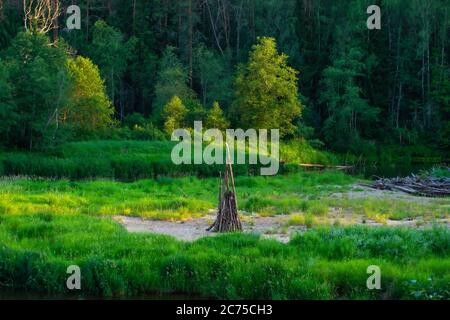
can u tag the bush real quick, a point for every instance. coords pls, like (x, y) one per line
(135, 120)
(300, 151)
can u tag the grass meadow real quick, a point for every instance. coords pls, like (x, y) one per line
(134, 160)
(50, 222)
(323, 263)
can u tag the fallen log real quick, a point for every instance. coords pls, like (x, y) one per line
(322, 166)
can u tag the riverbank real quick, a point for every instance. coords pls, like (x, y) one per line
(321, 263)
(309, 236)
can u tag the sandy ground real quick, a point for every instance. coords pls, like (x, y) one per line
(276, 227)
(268, 227)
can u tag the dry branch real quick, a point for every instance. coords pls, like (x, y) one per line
(227, 216)
(415, 185)
(40, 16)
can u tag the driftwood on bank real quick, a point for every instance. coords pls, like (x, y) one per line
(322, 166)
(227, 216)
(415, 185)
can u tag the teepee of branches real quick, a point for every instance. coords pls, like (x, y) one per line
(227, 216)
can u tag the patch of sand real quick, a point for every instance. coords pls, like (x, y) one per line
(276, 227)
(268, 227)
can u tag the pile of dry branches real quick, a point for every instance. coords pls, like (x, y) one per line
(227, 217)
(416, 185)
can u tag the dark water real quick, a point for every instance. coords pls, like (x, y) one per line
(373, 172)
(16, 295)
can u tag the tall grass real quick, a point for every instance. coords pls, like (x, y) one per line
(127, 160)
(167, 198)
(299, 151)
(35, 251)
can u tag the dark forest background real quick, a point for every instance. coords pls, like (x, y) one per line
(359, 89)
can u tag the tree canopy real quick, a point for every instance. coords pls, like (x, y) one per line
(89, 107)
(311, 68)
(266, 90)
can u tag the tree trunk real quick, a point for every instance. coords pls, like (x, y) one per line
(190, 31)
(87, 19)
(55, 24)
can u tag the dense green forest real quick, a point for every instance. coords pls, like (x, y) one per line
(88, 178)
(137, 69)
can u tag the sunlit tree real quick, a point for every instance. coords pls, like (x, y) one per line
(266, 90)
(89, 107)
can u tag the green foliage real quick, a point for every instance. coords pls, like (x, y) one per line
(348, 111)
(438, 172)
(110, 52)
(174, 113)
(196, 112)
(39, 81)
(382, 94)
(266, 90)
(441, 96)
(8, 116)
(213, 74)
(172, 81)
(137, 127)
(361, 90)
(131, 159)
(299, 151)
(215, 118)
(123, 160)
(363, 242)
(312, 194)
(235, 266)
(89, 107)
(169, 199)
(135, 120)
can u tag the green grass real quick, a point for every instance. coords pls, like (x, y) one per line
(439, 172)
(394, 209)
(326, 263)
(48, 224)
(168, 198)
(190, 197)
(131, 160)
(122, 160)
(299, 151)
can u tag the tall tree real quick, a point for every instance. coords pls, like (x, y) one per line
(41, 16)
(110, 52)
(38, 74)
(89, 107)
(266, 90)
(174, 112)
(8, 114)
(215, 119)
(347, 111)
(172, 80)
(214, 75)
